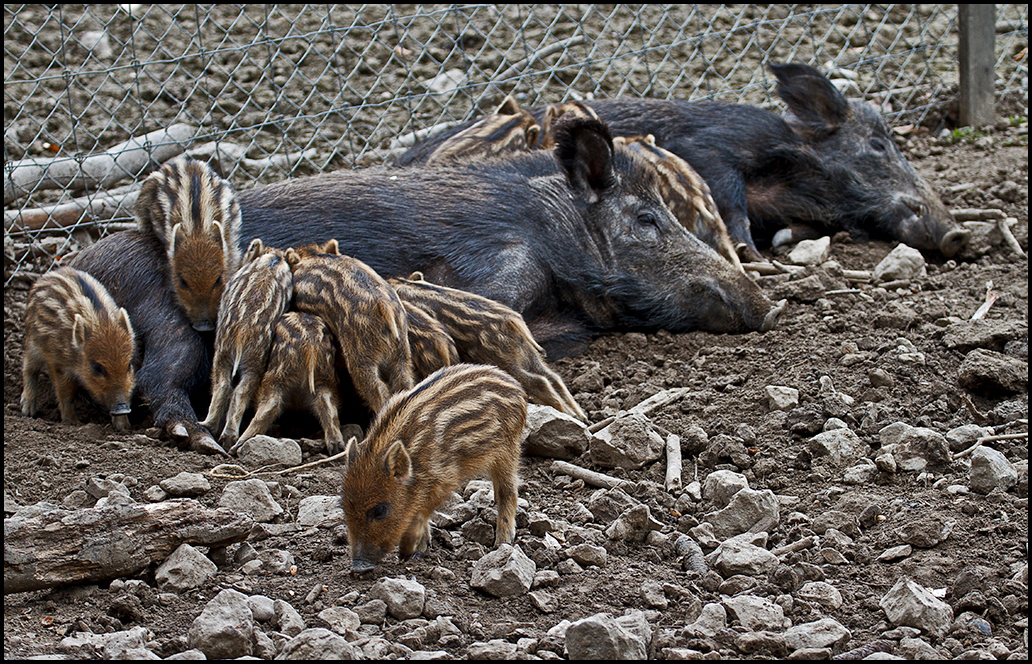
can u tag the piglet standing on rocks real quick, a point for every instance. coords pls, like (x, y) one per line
(75, 329)
(461, 421)
(362, 311)
(256, 296)
(301, 371)
(194, 215)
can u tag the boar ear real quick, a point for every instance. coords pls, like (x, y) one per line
(815, 105)
(79, 331)
(532, 134)
(351, 450)
(585, 149)
(331, 247)
(293, 258)
(398, 463)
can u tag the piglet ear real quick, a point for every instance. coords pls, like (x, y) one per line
(331, 247)
(398, 463)
(123, 320)
(584, 147)
(79, 331)
(815, 105)
(254, 250)
(351, 451)
(178, 235)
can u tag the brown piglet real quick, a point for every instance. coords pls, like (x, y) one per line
(301, 373)
(488, 332)
(195, 216)
(255, 298)
(460, 422)
(431, 346)
(362, 311)
(74, 328)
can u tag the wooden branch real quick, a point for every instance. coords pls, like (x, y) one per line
(798, 545)
(989, 439)
(413, 137)
(990, 297)
(120, 202)
(43, 549)
(589, 476)
(127, 159)
(646, 406)
(977, 214)
(1008, 235)
(673, 463)
(225, 154)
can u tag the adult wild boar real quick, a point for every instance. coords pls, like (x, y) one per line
(577, 239)
(829, 164)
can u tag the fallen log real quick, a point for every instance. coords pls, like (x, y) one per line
(128, 159)
(116, 203)
(48, 547)
(589, 476)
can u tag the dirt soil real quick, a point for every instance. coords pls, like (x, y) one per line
(45, 460)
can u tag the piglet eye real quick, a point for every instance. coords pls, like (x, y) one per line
(97, 369)
(378, 512)
(182, 283)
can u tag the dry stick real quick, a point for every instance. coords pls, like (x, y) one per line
(101, 170)
(989, 439)
(411, 138)
(1008, 236)
(763, 269)
(120, 202)
(798, 545)
(856, 275)
(990, 297)
(976, 214)
(589, 476)
(844, 291)
(233, 153)
(673, 463)
(221, 471)
(657, 400)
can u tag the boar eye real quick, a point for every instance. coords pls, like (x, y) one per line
(97, 369)
(378, 512)
(646, 217)
(878, 144)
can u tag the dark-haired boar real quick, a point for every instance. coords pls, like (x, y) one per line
(488, 332)
(460, 422)
(255, 298)
(74, 328)
(431, 346)
(576, 239)
(686, 194)
(176, 358)
(300, 373)
(195, 216)
(364, 314)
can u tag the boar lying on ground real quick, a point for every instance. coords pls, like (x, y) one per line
(462, 421)
(486, 332)
(176, 358)
(74, 328)
(194, 214)
(364, 314)
(300, 373)
(255, 298)
(830, 164)
(577, 240)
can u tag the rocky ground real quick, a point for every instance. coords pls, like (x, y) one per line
(828, 499)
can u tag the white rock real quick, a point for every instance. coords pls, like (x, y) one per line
(780, 397)
(504, 572)
(629, 442)
(903, 262)
(251, 497)
(288, 619)
(810, 252)
(720, 485)
(340, 619)
(823, 633)
(990, 469)
(601, 637)
(113, 645)
(264, 450)
(186, 484)
(262, 608)
(550, 433)
(318, 644)
(756, 613)
(447, 81)
(495, 649)
(822, 593)
(186, 568)
(404, 597)
(320, 511)
(842, 445)
(910, 603)
(224, 628)
(712, 619)
(746, 508)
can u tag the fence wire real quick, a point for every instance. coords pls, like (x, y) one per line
(274, 91)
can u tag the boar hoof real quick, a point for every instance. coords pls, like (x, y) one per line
(203, 442)
(771, 319)
(120, 422)
(178, 433)
(781, 238)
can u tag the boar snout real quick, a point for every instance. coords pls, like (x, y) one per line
(771, 319)
(120, 408)
(954, 241)
(203, 325)
(360, 567)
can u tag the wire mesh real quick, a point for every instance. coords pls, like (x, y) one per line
(275, 91)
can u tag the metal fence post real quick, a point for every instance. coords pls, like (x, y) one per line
(977, 24)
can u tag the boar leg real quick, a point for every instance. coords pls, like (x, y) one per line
(242, 395)
(504, 478)
(270, 406)
(33, 365)
(64, 385)
(326, 410)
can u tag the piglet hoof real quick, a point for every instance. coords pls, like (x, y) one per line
(334, 447)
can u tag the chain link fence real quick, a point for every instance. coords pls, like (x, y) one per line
(267, 92)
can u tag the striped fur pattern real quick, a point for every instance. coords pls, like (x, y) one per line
(510, 129)
(364, 314)
(488, 332)
(460, 422)
(195, 216)
(431, 346)
(256, 296)
(74, 328)
(300, 373)
(685, 193)
(570, 109)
